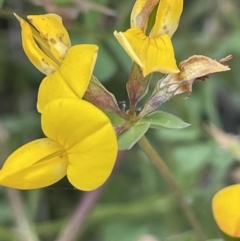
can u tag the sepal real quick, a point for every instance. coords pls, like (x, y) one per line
(137, 85)
(99, 96)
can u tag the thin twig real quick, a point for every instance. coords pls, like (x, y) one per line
(168, 177)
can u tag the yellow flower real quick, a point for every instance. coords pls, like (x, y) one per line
(226, 210)
(154, 52)
(72, 78)
(81, 143)
(68, 69)
(45, 41)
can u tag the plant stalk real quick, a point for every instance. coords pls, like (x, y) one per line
(168, 177)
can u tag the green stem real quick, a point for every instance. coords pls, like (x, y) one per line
(168, 177)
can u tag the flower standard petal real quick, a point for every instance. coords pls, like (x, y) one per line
(167, 18)
(72, 78)
(38, 58)
(151, 54)
(88, 137)
(225, 205)
(52, 30)
(36, 164)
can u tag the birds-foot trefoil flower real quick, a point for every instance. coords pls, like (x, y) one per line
(80, 140)
(81, 143)
(48, 46)
(45, 41)
(153, 52)
(225, 205)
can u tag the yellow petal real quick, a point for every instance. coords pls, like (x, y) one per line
(38, 58)
(226, 211)
(51, 28)
(151, 54)
(72, 78)
(167, 18)
(140, 13)
(37, 164)
(87, 135)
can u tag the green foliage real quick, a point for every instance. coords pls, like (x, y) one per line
(130, 137)
(159, 119)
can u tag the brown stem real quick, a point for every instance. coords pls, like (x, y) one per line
(168, 177)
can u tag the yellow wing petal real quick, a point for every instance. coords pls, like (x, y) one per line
(151, 54)
(37, 164)
(226, 211)
(167, 18)
(51, 28)
(72, 78)
(38, 58)
(87, 135)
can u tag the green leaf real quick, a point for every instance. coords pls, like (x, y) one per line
(129, 138)
(159, 119)
(115, 119)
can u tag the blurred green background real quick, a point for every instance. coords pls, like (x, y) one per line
(135, 201)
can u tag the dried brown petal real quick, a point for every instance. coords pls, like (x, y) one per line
(225, 59)
(198, 66)
(195, 67)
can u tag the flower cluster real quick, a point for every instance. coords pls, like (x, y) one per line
(79, 116)
(80, 140)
